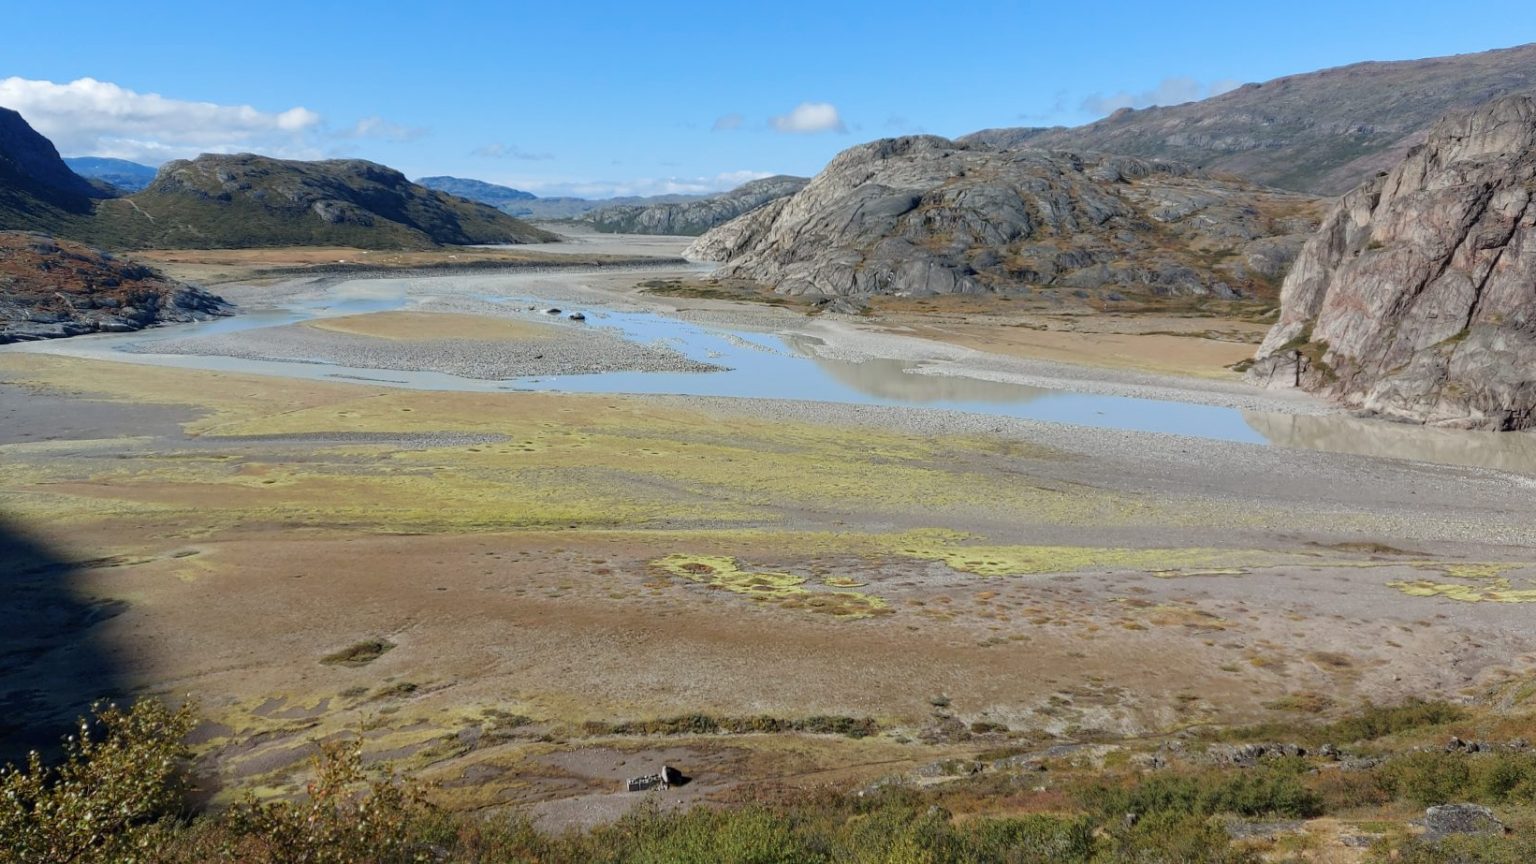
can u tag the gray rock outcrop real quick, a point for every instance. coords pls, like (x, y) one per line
(924, 215)
(1416, 299)
(1448, 819)
(53, 288)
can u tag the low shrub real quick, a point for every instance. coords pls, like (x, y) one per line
(120, 779)
(1271, 791)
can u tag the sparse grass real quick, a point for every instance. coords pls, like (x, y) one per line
(715, 289)
(1076, 813)
(784, 589)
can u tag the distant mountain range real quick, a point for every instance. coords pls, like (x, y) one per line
(653, 214)
(1321, 132)
(477, 190)
(696, 216)
(122, 174)
(242, 200)
(526, 205)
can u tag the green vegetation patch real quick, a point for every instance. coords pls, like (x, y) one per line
(704, 724)
(785, 589)
(1038, 560)
(360, 654)
(1476, 583)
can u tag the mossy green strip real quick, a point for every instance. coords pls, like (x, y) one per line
(785, 589)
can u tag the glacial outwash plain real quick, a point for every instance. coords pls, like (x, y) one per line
(1156, 489)
(486, 578)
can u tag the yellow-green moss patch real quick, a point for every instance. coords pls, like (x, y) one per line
(1036, 560)
(785, 589)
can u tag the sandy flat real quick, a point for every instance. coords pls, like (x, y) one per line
(426, 326)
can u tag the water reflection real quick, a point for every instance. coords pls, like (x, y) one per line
(1504, 451)
(791, 366)
(887, 378)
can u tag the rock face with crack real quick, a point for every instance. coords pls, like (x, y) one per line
(1416, 299)
(924, 215)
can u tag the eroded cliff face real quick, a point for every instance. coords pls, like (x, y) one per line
(923, 215)
(1416, 299)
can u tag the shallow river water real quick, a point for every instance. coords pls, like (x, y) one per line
(787, 366)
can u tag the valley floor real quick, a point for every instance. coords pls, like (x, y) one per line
(482, 583)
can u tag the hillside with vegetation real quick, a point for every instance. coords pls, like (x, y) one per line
(240, 201)
(38, 192)
(1423, 783)
(244, 200)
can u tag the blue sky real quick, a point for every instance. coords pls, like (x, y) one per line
(599, 98)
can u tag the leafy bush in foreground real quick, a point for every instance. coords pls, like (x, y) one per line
(119, 778)
(117, 797)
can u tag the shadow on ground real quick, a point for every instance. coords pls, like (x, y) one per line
(53, 663)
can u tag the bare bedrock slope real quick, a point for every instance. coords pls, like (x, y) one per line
(925, 215)
(1417, 297)
(1322, 132)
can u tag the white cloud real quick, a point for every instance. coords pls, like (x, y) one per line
(1171, 91)
(808, 117)
(728, 123)
(378, 127)
(546, 187)
(87, 117)
(509, 151)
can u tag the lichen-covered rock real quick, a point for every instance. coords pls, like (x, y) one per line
(1416, 299)
(1448, 819)
(924, 215)
(54, 288)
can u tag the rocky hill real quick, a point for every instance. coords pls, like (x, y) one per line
(1321, 132)
(119, 173)
(51, 288)
(924, 215)
(26, 154)
(696, 216)
(477, 190)
(246, 200)
(37, 190)
(1417, 297)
